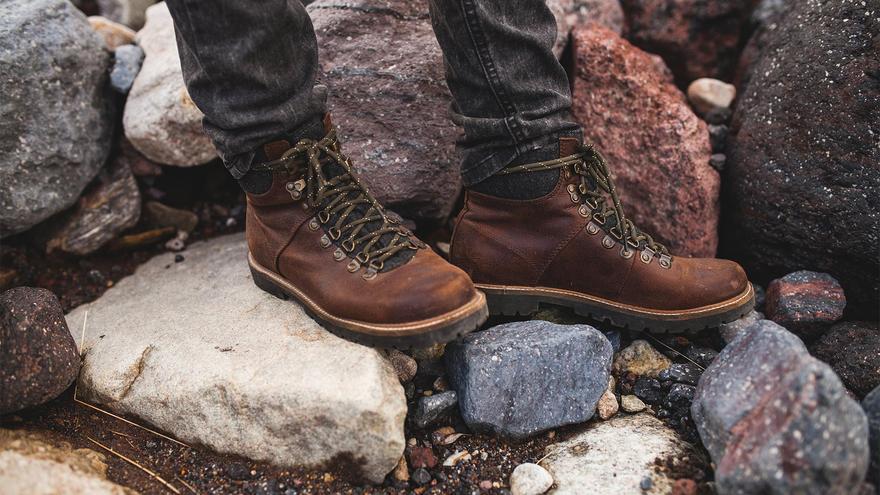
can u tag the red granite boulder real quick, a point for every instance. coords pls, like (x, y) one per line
(805, 302)
(658, 150)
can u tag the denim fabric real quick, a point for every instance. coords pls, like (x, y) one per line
(251, 68)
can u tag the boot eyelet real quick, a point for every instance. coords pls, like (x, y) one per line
(377, 265)
(353, 266)
(665, 261)
(571, 188)
(348, 245)
(607, 242)
(626, 253)
(334, 233)
(325, 241)
(363, 258)
(369, 274)
(647, 255)
(313, 224)
(584, 211)
(339, 254)
(323, 216)
(592, 228)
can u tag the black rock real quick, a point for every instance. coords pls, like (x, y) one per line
(649, 390)
(682, 373)
(428, 409)
(760, 297)
(718, 116)
(718, 137)
(701, 355)
(678, 401)
(871, 405)
(717, 161)
(522, 378)
(613, 336)
(38, 355)
(805, 191)
(853, 351)
(765, 402)
(421, 476)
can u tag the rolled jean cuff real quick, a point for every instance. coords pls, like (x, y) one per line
(479, 165)
(240, 164)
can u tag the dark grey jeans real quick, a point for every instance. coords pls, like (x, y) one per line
(251, 68)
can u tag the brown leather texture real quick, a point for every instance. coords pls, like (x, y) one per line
(545, 242)
(281, 240)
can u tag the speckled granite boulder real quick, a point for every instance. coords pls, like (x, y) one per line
(805, 302)
(871, 404)
(766, 402)
(522, 378)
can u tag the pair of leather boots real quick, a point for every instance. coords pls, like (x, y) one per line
(318, 236)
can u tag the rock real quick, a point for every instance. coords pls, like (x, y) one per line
(853, 351)
(109, 206)
(158, 215)
(729, 331)
(37, 351)
(29, 463)
(703, 356)
(607, 406)
(421, 476)
(615, 455)
(401, 472)
(706, 94)
(641, 359)
(132, 13)
(522, 378)
(803, 166)
(678, 401)
(871, 405)
(430, 408)
(376, 86)
(805, 302)
(530, 479)
(139, 165)
(718, 137)
(695, 37)
(684, 487)
(681, 373)
(764, 21)
(648, 389)
(405, 366)
(126, 65)
(657, 149)
(717, 161)
(456, 458)
(57, 122)
(160, 119)
(764, 402)
(632, 404)
(114, 34)
(238, 370)
(608, 13)
(421, 457)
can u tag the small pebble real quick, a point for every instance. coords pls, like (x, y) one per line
(717, 161)
(530, 479)
(178, 258)
(646, 483)
(421, 476)
(632, 404)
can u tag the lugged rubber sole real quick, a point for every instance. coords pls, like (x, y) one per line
(423, 333)
(515, 300)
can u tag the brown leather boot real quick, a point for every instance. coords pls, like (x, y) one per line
(317, 235)
(572, 248)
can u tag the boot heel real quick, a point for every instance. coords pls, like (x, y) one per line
(511, 305)
(267, 285)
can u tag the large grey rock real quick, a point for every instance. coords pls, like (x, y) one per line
(778, 421)
(802, 180)
(160, 119)
(197, 350)
(132, 13)
(388, 93)
(615, 455)
(522, 378)
(30, 463)
(56, 116)
(871, 404)
(38, 358)
(110, 206)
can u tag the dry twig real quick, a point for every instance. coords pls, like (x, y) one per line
(135, 464)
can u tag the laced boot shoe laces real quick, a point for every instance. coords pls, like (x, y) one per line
(575, 247)
(320, 237)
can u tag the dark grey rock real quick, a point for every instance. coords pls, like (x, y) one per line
(648, 389)
(38, 355)
(701, 355)
(802, 180)
(871, 405)
(428, 409)
(718, 116)
(853, 350)
(522, 378)
(678, 401)
(56, 119)
(613, 336)
(766, 402)
(718, 137)
(421, 476)
(682, 373)
(717, 161)
(126, 65)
